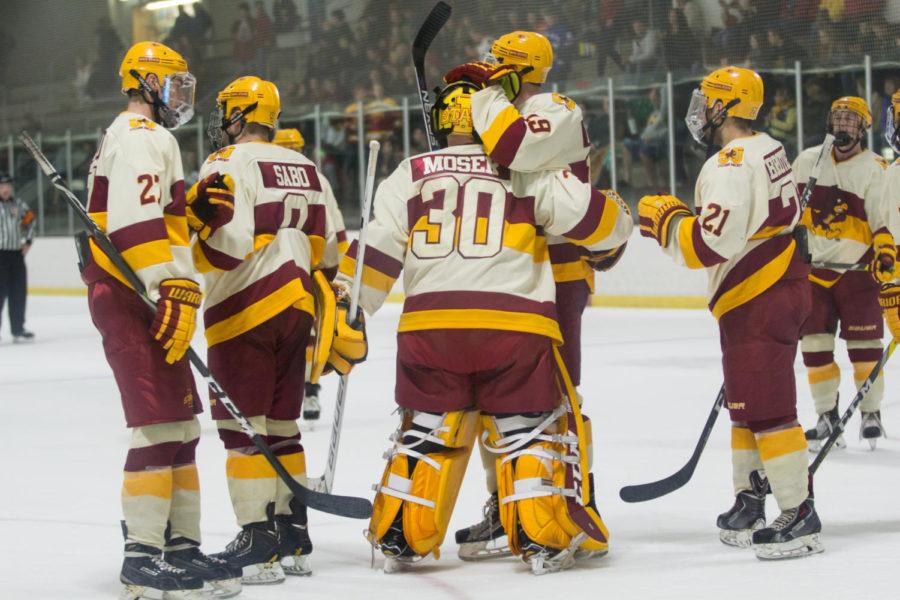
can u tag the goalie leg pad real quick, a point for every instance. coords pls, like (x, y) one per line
(531, 474)
(422, 478)
(326, 314)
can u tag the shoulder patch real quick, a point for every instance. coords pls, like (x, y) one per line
(615, 197)
(882, 162)
(732, 157)
(141, 123)
(222, 154)
(564, 100)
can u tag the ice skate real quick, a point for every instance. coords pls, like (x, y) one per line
(870, 428)
(255, 551)
(793, 534)
(816, 436)
(146, 574)
(312, 410)
(543, 560)
(397, 553)
(748, 514)
(23, 337)
(294, 545)
(223, 579)
(484, 540)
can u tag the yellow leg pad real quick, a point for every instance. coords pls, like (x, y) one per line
(429, 494)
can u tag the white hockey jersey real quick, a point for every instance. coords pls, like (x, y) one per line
(259, 263)
(136, 196)
(546, 133)
(890, 197)
(747, 205)
(845, 210)
(469, 237)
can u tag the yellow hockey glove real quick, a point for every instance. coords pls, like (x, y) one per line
(508, 78)
(883, 269)
(350, 346)
(176, 316)
(656, 214)
(210, 204)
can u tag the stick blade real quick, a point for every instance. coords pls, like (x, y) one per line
(656, 489)
(436, 19)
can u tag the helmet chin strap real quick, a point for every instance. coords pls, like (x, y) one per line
(710, 125)
(160, 110)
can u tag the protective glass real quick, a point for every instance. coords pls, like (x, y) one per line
(215, 131)
(695, 119)
(891, 129)
(178, 96)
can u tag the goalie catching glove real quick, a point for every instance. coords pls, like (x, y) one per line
(885, 257)
(656, 214)
(350, 345)
(176, 316)
(210, 204)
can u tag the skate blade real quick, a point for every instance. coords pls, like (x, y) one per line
(475, 551)
(225, 588)
(140, 592)
(299, 566)
(395, 564)
(742, 538)
(802, 546)
(583, 555)
(263, 574)
(542, 563)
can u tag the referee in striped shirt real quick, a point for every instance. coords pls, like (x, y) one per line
(16, 231)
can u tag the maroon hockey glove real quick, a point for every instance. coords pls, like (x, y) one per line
(210, 204)
(476, 72)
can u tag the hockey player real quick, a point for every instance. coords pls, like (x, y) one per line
(746, 206)
(847, 222)
(136, 196)
(293, 140)
(527, 129)
(477, 333)
(258, 312)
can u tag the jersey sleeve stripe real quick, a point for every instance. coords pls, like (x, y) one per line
(505, 119)
(593, 219)
(378, 260)
(215, 258)
(697, 254)
(507, 145)
(139, 233)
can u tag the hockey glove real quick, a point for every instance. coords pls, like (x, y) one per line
(605, 259)
(476, 72)
(176, 316)
(210, 204)
(656, 213)
(350, 345)
(889, 299)
(885, 257)
(508, 78)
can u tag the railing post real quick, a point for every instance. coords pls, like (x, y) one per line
(612, 133)
(70, 225)
(38, 181)
(670, 110)
(798, 103)
(868, 66)
(406, 150)
(317, 133)
(361, 152)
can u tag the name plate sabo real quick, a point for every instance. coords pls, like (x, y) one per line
(289, 176)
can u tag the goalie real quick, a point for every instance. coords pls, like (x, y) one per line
(479, 333)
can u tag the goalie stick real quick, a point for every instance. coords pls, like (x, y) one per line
(324, 482)
(427, 32)
(650, 491)
(344, 506)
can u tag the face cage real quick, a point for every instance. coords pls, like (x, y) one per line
(177, 97)
(490, 59)
(695, 119)
(215, 131)
(892, 130)
(843, 139)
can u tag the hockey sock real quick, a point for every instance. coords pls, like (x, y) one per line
(744, 456)
(823, 373)
(864, 354)
(184, 514)
(284, 440)
(251, 479)
(782, 448)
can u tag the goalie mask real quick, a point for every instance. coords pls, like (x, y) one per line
(848, 120)
(740, 92)
(173, 102)
(892, 126)
(452, 112)
(245, 100)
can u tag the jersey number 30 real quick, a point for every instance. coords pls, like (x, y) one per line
(477, 233)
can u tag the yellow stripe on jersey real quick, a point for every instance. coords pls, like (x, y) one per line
(755, 284)
(686, 243)
(262, 240)
(768, 232)
(779, 443)
(342, 247)
(100, 218)
(106, 264)
(176, 227)
(523, 237)
(291, 293)
(148, 254)
(148, 483)
(575, 270)
(498, 127)
(825, 283)
(605, 226)
(370, 276)
(317, 249)
(478, 318)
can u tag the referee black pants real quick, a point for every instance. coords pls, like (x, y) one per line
(13, 285)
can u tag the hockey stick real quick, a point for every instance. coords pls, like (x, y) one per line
(650, 491)
(427, 32)
(860, 394)
(859, 266)
(324, 482)
(653, 490)
(344, 506)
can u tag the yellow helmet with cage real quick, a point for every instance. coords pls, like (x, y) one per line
(452, 111)
(174, 101)
(837, 121)
(528, 49)
(245, 100)
(855, 105)
(739, 90)
(291, 139)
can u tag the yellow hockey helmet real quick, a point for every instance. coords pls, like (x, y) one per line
(528, 49)
(291, 139)
(174, 101)
(739, 90)
(855, 105)
(452, 111)
(245, 100)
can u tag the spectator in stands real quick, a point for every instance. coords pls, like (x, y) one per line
(607, 36)
(83, 69)
(109, 48)
(242, 31)
(284, 13)
(783, 50)
(644, 48)
(596, 122)
(781, 121)
(881, 105)
(263, 37)
(561, 39)
(679, 43)
(650, 146)
(830, 51)
(816, 105)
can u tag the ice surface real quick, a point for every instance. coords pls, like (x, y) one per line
(650, 377)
